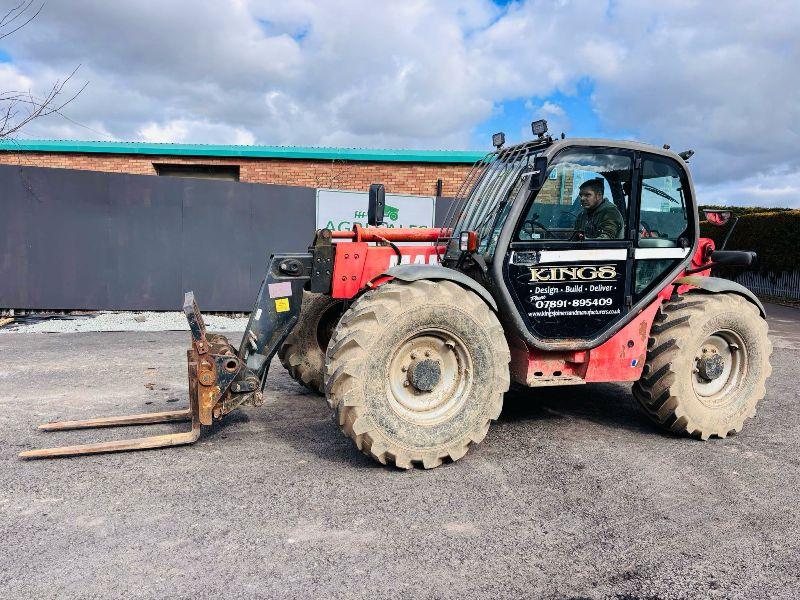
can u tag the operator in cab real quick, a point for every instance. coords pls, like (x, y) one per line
(600, 219)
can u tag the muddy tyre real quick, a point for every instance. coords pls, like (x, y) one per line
(707, 365)
(303, 352)
(416, 372)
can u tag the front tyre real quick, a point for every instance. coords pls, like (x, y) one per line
(707, 365)
(302, 354)
(416, 372)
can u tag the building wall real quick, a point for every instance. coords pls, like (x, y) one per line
(398, 177)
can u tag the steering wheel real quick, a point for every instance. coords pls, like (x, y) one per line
(528, 226)
(566, 218)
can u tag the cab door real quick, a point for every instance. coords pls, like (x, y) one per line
(664, 227)
(569, 263)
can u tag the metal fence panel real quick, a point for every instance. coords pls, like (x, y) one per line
(84, 240)
(767, 284)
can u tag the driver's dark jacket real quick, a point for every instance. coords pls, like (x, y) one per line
(603, 222)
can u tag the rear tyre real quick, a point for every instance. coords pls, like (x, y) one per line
(416, 372)
(303, 352)
(707, 365)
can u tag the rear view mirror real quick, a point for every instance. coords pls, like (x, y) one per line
(377, 204)
(717, 217)
(538, 173)
(734, 258)
(720, 218)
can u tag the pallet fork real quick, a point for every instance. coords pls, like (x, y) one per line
(221, 379)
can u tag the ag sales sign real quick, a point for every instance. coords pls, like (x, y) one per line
(339, 210)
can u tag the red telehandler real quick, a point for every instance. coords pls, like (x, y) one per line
(414, 335)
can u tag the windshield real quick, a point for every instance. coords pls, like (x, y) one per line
(585, 197)
(498, 179)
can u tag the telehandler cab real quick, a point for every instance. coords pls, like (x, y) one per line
(414, 344)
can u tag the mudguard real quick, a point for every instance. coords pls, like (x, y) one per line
(717, 285)
(417, 272)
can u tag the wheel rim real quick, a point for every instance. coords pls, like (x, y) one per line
(719, 367)
(430, 376)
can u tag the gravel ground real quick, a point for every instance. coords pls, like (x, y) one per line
(124, 321)
(572, 495)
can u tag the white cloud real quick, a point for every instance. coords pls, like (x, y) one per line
(717, 77)
(12, 80)
(183, 131)
(763, 189)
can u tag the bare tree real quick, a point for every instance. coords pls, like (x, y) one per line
(20, 107)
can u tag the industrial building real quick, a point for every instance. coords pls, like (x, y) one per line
(414, 172)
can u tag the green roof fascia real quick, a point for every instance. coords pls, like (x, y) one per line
(291, 152)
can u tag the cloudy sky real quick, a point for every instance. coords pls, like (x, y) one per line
(722, 78)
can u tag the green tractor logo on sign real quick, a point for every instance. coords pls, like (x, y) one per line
(391, 212)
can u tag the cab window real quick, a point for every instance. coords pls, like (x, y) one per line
(663, 222)
(585, 197)
(662, 218)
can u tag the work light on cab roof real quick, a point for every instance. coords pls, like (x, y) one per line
(498, 139)
(539, 128)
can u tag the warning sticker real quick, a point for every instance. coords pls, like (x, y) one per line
(281, 305)
(276, 290)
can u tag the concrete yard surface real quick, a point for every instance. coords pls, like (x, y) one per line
(573, 494)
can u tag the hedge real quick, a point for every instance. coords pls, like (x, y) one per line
(773, 233)
(739, 211)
